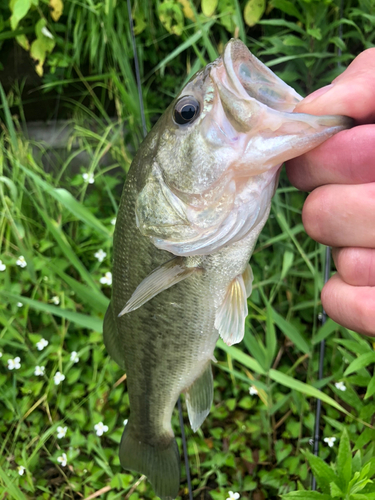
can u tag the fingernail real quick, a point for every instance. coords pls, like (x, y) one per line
(317, 94)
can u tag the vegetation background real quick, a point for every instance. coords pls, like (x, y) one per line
(63, 402)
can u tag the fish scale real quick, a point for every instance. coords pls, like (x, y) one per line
(195, 199)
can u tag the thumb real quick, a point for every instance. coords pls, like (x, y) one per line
(351, 94)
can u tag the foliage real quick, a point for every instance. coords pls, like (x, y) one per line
(256, 438)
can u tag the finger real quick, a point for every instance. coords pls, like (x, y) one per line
(350, 306)
(341, 215)
(346, 158)
(352, 93)
(356, 266)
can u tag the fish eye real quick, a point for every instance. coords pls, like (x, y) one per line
(186, 110)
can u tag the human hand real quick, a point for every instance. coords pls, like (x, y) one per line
(340, 211)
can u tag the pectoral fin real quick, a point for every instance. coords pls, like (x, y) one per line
(160, 279)
(199, 398)
(230, 318)
(248, 278)
(112, 338)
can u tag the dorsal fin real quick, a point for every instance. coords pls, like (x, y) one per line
(160, 279)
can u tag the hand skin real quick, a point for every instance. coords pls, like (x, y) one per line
(340, 211)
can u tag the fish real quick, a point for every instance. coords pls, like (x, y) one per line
(195, 199)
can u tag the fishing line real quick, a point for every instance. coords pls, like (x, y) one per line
(327, 267)
(139, 85)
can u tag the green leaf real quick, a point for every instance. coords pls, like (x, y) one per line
(344, 461)
(370, 388)
(289, 8)
(292, 383)
(271, 340)
(325, 331)
(243, 358)
(20, 9)
(253, 11)
(291, 332)
(14, 492)
(323, 474)
(209, 7)
(288, 259)
(360, 362)
(83, 320)
(306, 495)
(336, 491)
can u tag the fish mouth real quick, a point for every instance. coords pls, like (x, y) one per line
(257, 107)
(249, 77)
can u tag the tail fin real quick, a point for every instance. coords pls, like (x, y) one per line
(161, 464)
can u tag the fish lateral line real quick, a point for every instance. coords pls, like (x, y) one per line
(168, 274)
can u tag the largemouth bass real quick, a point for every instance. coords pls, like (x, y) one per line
(194, 202)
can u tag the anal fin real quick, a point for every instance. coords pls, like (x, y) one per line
(161, 278)
(230, 317)
(199, 398)
(112, 338)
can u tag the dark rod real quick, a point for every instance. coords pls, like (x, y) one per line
(137, 73)
(136, 64)
(316, 439)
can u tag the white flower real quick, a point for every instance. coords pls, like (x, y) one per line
(41, 344)
(233, 496)
(100, 428)
(58, 378)
(88, 177)
(61, 432)
(125, 421)
(330, 441)
(106, 279)
(21, 261)
(1, 354)
(46, 32)
(340, 386)
(113, 221)
(14, 364)
(62, 460)
(2, 266)
(74, 357)
(253, 391)
(21, 469)
(39, 371)
(100, 255)
(55, 299)
(19, 304)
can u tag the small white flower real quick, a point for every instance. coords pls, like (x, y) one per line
(74, 357)
(55, 299)
(100, 255)
(21, 261)
(14, 364)
(58, 378)
(340, 386)
(113, 221)
(100, 428)
(41, 344)
(106, 279)
(233, 496)
(21, 469)
(330, 441)
(125, 421)
(46, 32)
(39, 371)
(1, 354)
(61, 432)
(2, 266)
(63, 460)
(19, 304)
(88, 177)
(253, 391)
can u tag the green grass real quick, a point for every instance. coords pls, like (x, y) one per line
(254, 444)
